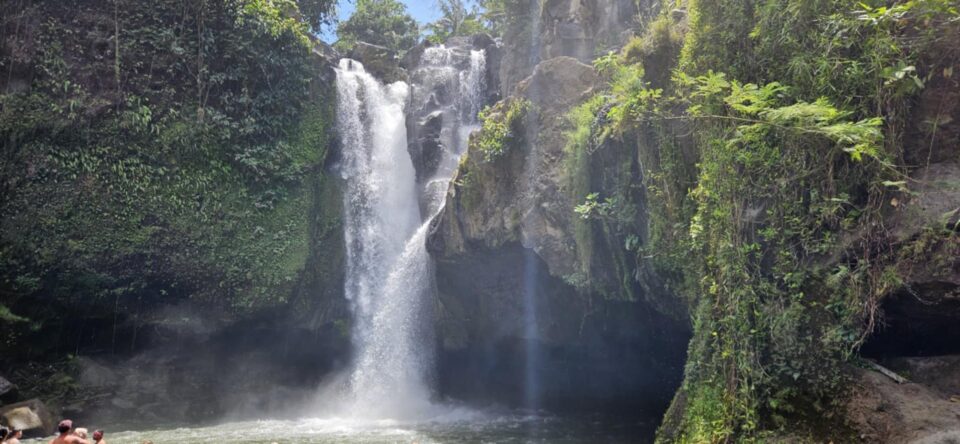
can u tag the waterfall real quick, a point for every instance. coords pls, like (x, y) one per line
(380, 214)
(440, 71)
(390, 274)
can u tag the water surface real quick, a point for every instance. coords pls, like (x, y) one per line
(509, 428)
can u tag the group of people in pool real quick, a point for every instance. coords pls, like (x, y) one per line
(70, 435)
(66, 434)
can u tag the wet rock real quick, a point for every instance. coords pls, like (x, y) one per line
(559, 83)
(556, 86)
(520, 195)
(934, 198)
(31, 416)
(883, 411)
(427, 149)
(411, 59)
(503, 202)
(382, 62)
(573, 28)
(447, 94)
(482, 41)
(940, 373)
(325, 59)
(8, 391)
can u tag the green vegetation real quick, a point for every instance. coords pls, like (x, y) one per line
(318, 13)
(154, 153)
(502, 129)
(769, 155)
(455, 20)
(608, 221)
(384, 23)
(494, 14)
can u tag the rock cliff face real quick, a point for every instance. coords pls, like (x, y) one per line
(508, 232)
(919, 319)
(519, 197)
(434, 117)
(514, 211)
(582, 29)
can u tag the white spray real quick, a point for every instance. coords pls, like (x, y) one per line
(390, 279)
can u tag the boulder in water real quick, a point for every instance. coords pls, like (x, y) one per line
(31, 416)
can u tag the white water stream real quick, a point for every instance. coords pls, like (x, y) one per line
(390, 280)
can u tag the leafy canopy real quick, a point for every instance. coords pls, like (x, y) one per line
(456, 19)
(379, 22)
(317, 13)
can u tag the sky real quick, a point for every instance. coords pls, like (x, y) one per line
(424, 11)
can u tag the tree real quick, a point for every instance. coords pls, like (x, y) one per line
(456, 19)
(380, 22)
(495, 13)
(317, 13)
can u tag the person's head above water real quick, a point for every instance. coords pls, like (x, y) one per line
(65, 426)
(98, 435)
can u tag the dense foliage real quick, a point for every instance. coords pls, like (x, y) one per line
(456, 19)
(502, 128)
(318, 13)
(152, 153)
(770, 154)
(499, 15)
(383, 23)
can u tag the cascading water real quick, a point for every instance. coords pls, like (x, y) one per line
(381, 215)
(441, 72)
(389, 272)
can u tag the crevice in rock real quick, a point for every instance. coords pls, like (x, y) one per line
(920, 320)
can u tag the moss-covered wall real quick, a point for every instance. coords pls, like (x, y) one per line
(155, 153)
(780, 145)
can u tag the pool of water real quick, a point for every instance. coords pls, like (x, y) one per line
(473, 428)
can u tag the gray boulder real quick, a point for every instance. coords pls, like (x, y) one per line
(380, 61)
(31, 416)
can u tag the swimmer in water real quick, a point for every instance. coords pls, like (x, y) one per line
(14, 436)
(65, 437)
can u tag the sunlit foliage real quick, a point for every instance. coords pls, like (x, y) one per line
(384, 23)
(456, 19)
(774, 144)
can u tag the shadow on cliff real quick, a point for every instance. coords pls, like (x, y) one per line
(593, 355)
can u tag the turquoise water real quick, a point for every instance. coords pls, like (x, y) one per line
(511, 428)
